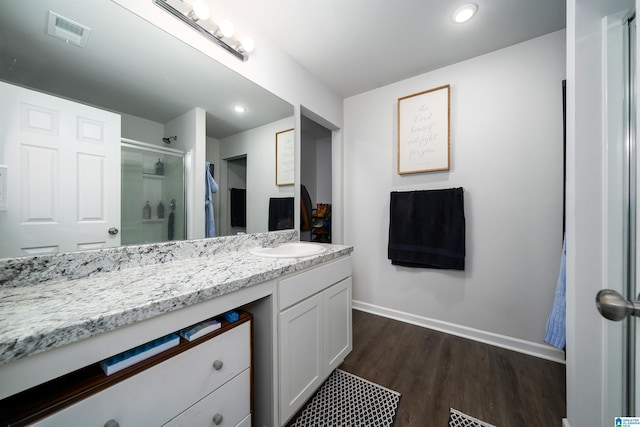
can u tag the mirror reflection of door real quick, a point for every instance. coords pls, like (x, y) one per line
(60, 157)
(315, 177)
(236, 205)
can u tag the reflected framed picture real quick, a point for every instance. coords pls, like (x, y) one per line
(285, 158)
(424, 131)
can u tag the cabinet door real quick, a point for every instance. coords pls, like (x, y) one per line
(301, 365)
(337, 324)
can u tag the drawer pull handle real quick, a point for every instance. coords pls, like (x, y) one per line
(111, 423)
(217, 419)
(217, 365)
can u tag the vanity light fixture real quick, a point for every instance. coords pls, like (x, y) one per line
(464, 13)
(200, 10)
(225, 29)
(196, 15)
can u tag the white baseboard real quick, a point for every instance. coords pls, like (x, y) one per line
(565, 422)
(533, 349)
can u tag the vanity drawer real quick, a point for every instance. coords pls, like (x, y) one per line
(157, 394)
(300, 286)
(227, 406)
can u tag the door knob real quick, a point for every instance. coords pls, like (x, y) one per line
(613, 306)
(113, 231)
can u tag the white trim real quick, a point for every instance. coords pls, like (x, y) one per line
(565, 422)
(614, 133)
(542, 351)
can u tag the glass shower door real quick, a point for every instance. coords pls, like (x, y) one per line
(153, 195)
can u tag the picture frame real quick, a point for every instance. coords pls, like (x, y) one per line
(285, 157)
(424, 131)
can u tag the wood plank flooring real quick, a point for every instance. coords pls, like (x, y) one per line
(435, 371)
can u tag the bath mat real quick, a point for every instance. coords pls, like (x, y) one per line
(458, 419)
(347, 400)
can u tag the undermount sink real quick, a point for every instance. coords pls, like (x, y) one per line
(290, 250)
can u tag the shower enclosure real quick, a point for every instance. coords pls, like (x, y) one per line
(153, 194)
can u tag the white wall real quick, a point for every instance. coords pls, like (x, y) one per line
(213, 156)
(323, 169)
(142, 130)
(190, 128)
(506, 151)
(308, 165)
(259, 146)
(316, 168)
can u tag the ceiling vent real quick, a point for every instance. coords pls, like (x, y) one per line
(67, 30)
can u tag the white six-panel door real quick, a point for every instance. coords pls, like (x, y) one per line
(62, 175)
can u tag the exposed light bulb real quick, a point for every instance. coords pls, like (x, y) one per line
(247, 44)
(201, 9)
(226, 28)
(464, 13)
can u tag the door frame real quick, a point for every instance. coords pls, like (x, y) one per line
(589, 357)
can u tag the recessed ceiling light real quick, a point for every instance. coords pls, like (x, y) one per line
(464, 13)
(239, 109)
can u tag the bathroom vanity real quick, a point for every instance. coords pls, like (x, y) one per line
(314, 308)
(294, 328)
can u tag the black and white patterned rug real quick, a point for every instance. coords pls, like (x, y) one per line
(458, 419)
(347, 400)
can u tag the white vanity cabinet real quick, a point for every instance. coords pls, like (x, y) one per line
(314, 324)
(208, 384)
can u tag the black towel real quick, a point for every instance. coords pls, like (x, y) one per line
(427, 229)
(280, 213)
(238, 207)
(170, 223)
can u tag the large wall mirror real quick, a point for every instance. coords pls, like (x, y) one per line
(166, 107)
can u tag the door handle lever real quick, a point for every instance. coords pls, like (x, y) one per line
(614, 306)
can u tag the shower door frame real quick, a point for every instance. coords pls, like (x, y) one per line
(139, 145)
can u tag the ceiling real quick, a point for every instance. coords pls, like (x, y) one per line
(128, 66)
(351, 45)
(357, 45)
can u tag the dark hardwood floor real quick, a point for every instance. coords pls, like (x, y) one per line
(435, 371)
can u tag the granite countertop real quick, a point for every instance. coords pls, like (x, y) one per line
(43, 316)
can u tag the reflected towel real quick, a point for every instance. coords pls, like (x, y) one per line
(170, 223)
(211, 186)
(280, 213)
(238, 207)
(556, 325)
(427, 229)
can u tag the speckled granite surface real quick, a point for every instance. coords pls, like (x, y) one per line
(73, 265)
(41, 314)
